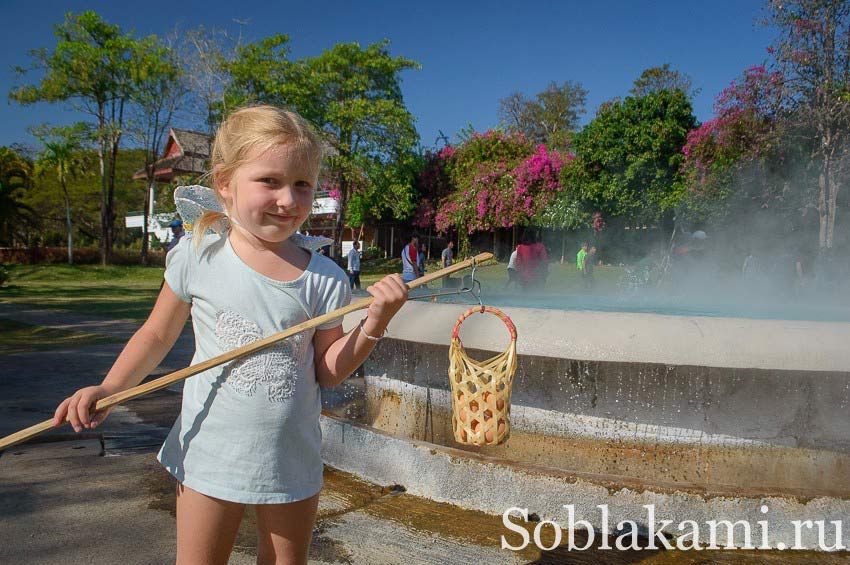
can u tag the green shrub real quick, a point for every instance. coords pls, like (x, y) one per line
(4, 275)
(372, 253)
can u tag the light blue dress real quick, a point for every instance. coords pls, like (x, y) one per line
(248, 431)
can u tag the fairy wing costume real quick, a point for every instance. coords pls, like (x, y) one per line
(192, 201)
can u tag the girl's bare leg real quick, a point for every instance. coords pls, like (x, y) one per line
(285, 530)
(206, 527)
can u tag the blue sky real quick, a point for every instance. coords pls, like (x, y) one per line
(472, 53)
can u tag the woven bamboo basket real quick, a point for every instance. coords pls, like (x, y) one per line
(481, 390)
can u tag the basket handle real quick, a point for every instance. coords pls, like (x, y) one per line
(495, 311)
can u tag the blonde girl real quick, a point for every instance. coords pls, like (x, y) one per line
(248, 431)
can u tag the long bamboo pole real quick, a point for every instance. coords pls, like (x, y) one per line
(182, 374)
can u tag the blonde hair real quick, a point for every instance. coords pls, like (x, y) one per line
(249, 129)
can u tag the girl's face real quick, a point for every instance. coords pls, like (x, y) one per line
(271, 195)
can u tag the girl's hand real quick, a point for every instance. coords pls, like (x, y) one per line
(77, 409)
(390, 294)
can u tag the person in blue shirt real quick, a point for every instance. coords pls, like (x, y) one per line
(177, 233)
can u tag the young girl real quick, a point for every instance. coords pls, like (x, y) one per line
(248, 431)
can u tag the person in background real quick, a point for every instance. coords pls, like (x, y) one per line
(446, 259)
(410, 260)
(799, 279)
(448, 256)
(542, 261)
(421, 258)
(531, 261)
(582, 253)
(750, 267)
(589, 265)
(512, 274)
(177, 234)
(354, 265)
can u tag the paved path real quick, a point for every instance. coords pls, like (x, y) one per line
(102, 497)
(33, 384)
(121, 329)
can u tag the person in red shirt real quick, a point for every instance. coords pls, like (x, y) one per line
(532, 261)
(410, 260)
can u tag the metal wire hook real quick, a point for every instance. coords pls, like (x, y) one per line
(474, 289)
(475, 286)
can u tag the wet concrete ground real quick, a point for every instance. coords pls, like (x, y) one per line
(103, 498)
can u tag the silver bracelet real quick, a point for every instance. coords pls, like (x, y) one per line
(367, 336)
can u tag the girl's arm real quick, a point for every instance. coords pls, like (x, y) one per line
(142, 354)
(337, 354)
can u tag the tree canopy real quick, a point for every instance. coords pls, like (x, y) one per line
(353, 96)
(551, 117)
(15, 179)
(630, 155)
(91, 65)
(778, 139)
(655, 79)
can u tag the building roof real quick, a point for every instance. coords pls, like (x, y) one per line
(192, 143)
(185, 152)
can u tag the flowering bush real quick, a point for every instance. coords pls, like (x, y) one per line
(498, 180)
(744, 129)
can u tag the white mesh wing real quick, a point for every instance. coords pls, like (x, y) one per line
(192, 201)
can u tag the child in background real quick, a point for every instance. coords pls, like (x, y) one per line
(421, 258)
(248, 431)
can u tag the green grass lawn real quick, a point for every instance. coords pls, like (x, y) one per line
(16, 337)
(562, 277)
(128, 292)
(115, 291)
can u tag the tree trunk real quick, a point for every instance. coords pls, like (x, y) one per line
(339, 224)
(339, 229)
(832, 209)
(563, 245)
(101, 156)
(823, 221)
(68, 222)
(145, 215)
(111, 200)
(115, 133)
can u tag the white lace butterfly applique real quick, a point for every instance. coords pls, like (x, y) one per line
(276, 366)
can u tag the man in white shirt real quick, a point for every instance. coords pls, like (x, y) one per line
(354, 265)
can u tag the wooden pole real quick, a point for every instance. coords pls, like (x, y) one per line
(183, 374)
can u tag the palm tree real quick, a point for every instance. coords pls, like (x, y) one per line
(15, 177)
(61, 155)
